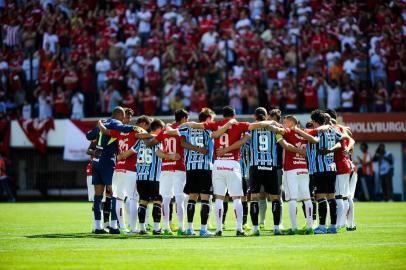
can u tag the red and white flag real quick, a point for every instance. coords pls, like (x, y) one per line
(36, 131)
(76, 143)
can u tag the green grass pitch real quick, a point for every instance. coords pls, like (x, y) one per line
(55, 236)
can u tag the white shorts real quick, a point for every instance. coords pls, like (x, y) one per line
(227, 176)
(171, 183)
(124, 184)
(342, 184)
(353, 184)
(296, 184)
(90, 189)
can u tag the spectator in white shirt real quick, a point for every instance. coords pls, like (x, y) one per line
(132, 43)
(51, 39)
(209, 38)
(136, 64)
(333, 95)
(187, 90)
(378, 65)
(77, 103)
(44, 104)
(102, 67)
(350, 66)
(347, 98)
(234, 95)
(144, 26)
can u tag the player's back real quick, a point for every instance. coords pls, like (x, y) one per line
(199, 138)
(172, 145)
(148, 163)
(263, 148)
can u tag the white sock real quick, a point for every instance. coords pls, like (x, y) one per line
(263, 205)
(120, 213)
(190, 226)
(345, 214)
(219, 214)
(340, 212)
(281, 219)
(292, 214)
(133, 214)
(156, 226)
(126, 204)
(255, 228)
(147, 214)
(238, 213)
(142, 227)
(276, 227)
(165, 207)
(97, 224)
(180, 209)
(203, 227)
(113, 224)
(351, 212)
(309, 213)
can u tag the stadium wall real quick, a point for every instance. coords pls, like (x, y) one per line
(53, 175)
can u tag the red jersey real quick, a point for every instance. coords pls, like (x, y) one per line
(342, 161)
(125, 142)
(232, 135)
(89, 167)
(294, 161)
(171, 145)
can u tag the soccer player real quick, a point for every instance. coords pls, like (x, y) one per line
(343, 164)
(103, 162)
(322, 143)
(124, 176)
(173, 176)
(148, 173)
(295, 177)
(198, 172)
(353, 184)
(226, 167)
(263, 171)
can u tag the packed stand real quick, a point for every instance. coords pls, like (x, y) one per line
(83, 58)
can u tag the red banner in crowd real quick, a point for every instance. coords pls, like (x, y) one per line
(36, 131)
(376, 126)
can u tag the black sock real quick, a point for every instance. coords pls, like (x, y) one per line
(244, 212)
(170, 211)
(254, 212)
(281, 210)
(191, 205)
(142, 210)
(225, 209)
(276, 212)
(322, 211)
(106, 209)
(204, 212)
(314, 209)
(157, 212)
(304, 209)
(333, 211)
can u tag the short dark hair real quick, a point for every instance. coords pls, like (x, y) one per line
(332, 113)
(180, 114)
(228, 111)
(276, 113)
(116, 111)
(364, 144)
(157, 123)
(318, 117)
(206, 113)
(261, 113)
(128, 112)
(309, 125)
(144, 119)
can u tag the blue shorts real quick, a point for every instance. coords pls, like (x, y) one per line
(102, 171)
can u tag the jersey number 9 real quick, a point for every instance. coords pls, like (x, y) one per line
(223, 140)
(263, 143)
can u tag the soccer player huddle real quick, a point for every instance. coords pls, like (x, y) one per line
(152, 164)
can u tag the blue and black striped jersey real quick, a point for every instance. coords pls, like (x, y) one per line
(245, 160)
(200, 138)
(148, 163)
(318, 162)
(263, 148)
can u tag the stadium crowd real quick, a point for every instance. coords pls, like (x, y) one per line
(73, 59)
